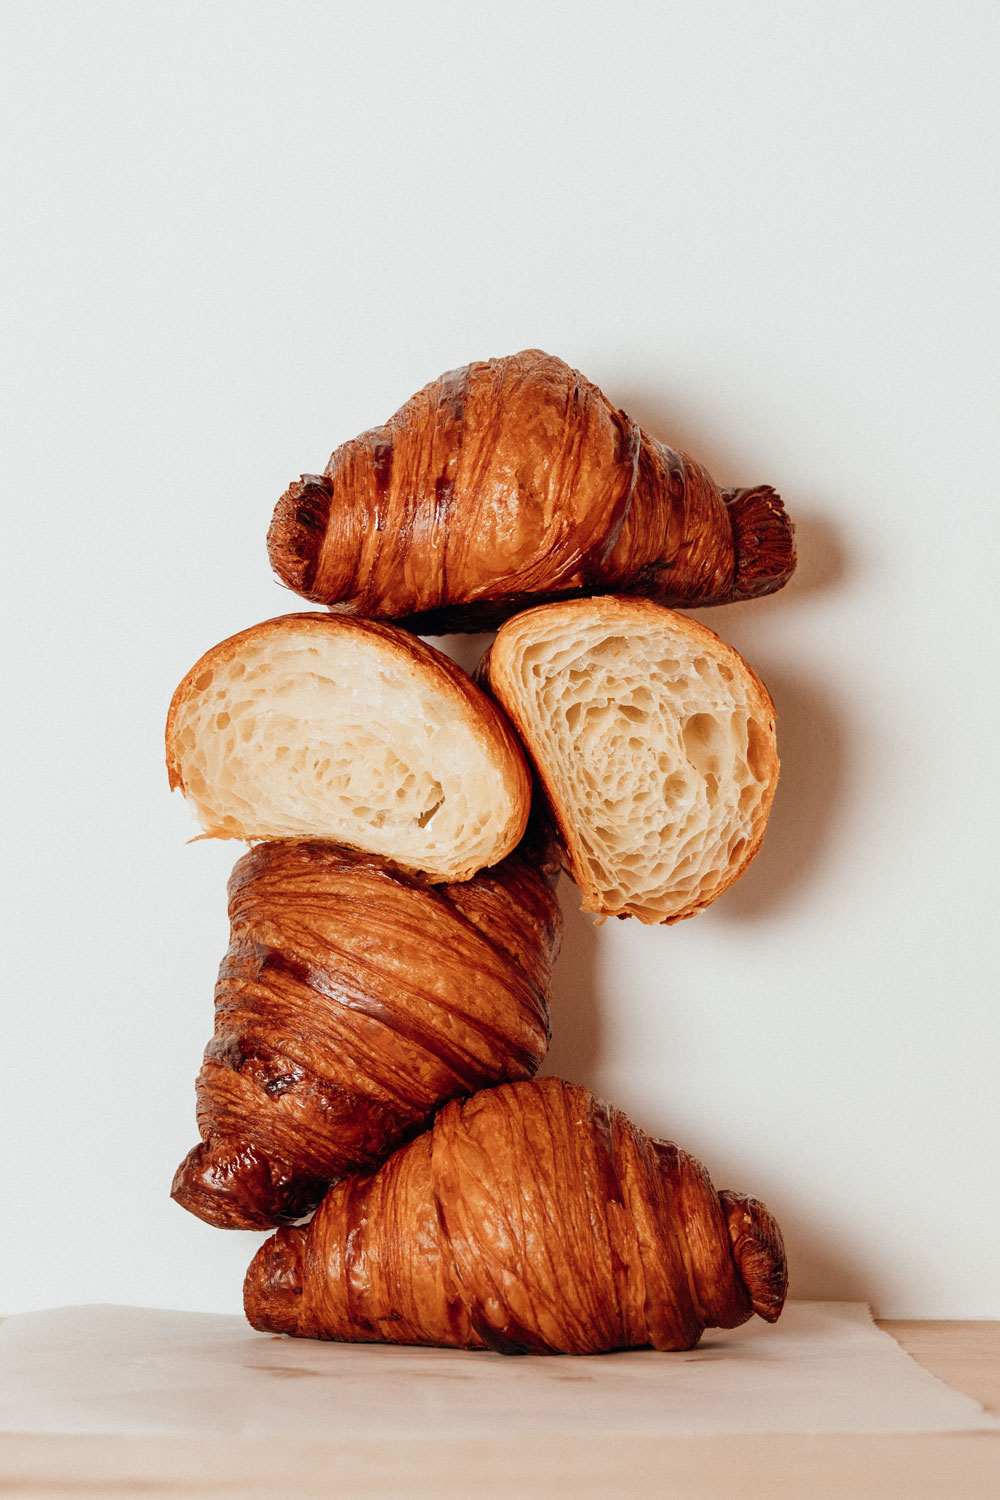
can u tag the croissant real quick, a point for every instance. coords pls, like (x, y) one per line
(513, 481)
(529, 1218)
(313, 726)
(654, 742)
(353, 1001)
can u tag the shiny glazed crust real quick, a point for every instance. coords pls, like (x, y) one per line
(352, 1002)
(654, 742)
(508, 482)
(315, 726)
(529, 1218)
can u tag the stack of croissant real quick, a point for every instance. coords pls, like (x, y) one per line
(382, 1009)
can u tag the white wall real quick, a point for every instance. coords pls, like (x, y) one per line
(243, 232)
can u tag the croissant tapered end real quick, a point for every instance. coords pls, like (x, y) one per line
(296, 533)
(759, 1253)
(272, 1290)
(232, 1186)
(764, 540)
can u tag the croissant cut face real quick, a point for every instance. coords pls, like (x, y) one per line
(654, 741)
(317, 726)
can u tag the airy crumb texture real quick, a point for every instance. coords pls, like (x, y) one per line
(655, 743)
(317, 726)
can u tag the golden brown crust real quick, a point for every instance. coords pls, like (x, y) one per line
(458, 702)
(509, 482)
(530, 1218)
(626, 618)
(353, 1001)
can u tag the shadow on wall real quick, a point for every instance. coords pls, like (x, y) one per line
(815, 755)
(812, 740)
(819, 1268)
(811, 785)
(575, 1005)
(667, 418)
(813, 743)
(822, 560)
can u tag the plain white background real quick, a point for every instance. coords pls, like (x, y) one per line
(237, 234)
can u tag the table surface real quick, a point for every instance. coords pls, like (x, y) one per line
(927, 1466)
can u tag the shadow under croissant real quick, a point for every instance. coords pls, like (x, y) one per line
(822, 559)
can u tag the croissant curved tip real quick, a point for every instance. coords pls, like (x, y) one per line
(759, 1253)
(295, 536)
(272, 1289)
(764, 539)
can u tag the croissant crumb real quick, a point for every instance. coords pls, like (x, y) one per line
(311, 726)
(654, 742)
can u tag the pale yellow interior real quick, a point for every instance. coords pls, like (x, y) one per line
(657, 755)
(334, 738)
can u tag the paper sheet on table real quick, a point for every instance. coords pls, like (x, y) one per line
(824, 1367)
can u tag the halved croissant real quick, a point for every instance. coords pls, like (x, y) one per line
(654, 742)
(353, 1001)
(508, 482)
(314, 726)
(530, 1218)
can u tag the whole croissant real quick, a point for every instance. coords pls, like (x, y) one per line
(530, 1218)
(352, 1002)
(510, 482)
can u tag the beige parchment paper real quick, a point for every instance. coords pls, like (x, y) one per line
(824, 1367)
